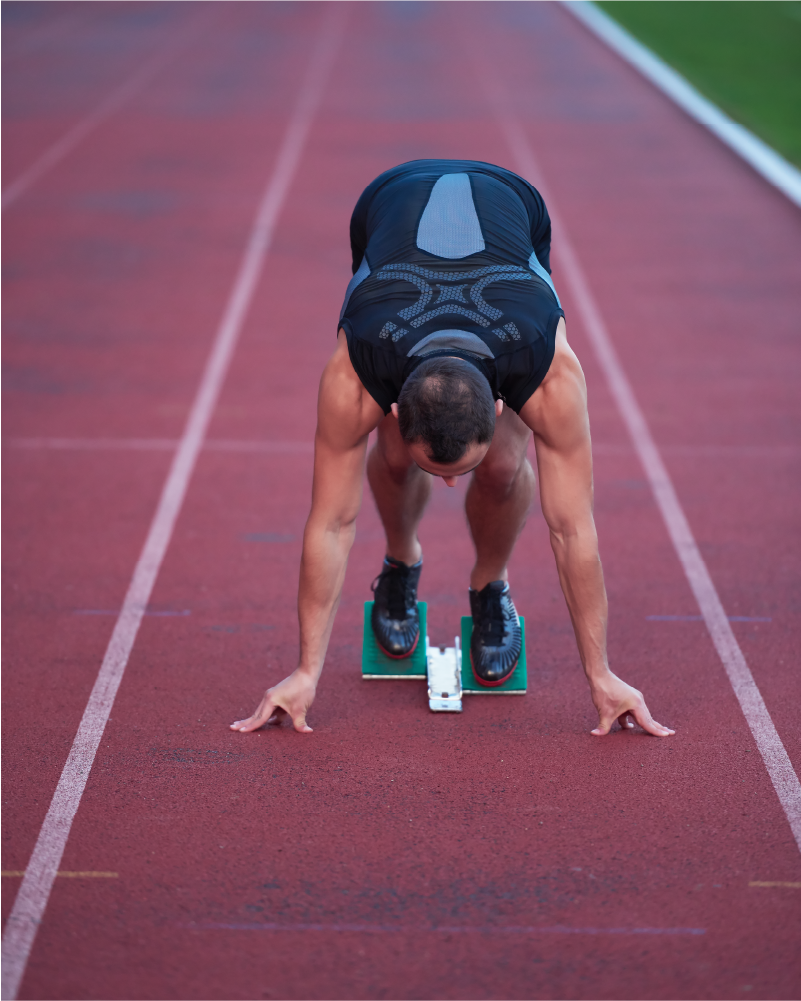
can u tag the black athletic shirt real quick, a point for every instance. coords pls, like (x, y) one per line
(451, 257)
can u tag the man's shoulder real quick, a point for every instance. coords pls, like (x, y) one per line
(345, 406)
(559, 405)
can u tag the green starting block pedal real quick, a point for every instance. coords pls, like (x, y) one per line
(516, 684)
(376, 664)
(447, 669)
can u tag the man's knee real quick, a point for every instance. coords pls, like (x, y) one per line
(499, 475)
(395, 465)
(390, 453)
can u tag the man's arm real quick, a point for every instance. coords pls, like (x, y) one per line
(346, 414)
(557, 414)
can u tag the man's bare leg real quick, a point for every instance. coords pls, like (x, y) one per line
(498, 499)
(401, 490)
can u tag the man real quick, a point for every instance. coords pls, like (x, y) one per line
(452, 343)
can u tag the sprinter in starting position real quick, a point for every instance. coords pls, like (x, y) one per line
(452, 343)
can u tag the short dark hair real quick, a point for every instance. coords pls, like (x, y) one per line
(446, 404)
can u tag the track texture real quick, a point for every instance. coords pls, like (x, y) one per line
(393, 854)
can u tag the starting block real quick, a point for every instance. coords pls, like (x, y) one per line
(446, 669)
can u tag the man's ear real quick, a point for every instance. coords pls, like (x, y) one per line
(498, 407)
(394, 409)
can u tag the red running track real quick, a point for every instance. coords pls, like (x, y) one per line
(503, 853)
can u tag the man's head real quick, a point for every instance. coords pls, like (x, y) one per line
(446, 415)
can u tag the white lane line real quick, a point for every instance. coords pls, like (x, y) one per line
(67, 875)
(40, 873)
(777, 762)
(727, 452)
(245, 445)
(763, 158)
(418, 929)
(94, 444)
(107, 107)
(155, 445)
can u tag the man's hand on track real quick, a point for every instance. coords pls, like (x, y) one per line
(615, 700)
(291, 697)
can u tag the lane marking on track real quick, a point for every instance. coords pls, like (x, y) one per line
(157, 445)
(118, 611)
(702, 451)
(67, 874)
(37, 883)
(784, 779)
(727, 452)
(95, 444)
(700, 618)
(788, 886)
(444, 929)
(763, 158)
(108, 106)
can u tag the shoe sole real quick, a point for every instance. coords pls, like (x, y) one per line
(398, 656)
(492, 684)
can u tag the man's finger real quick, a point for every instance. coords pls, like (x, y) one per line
(248, 725)
(603, 727)
(259, 718)
(300, 723)
(625, 721)
(650, 725)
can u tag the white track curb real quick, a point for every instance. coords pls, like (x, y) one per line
(759, 155)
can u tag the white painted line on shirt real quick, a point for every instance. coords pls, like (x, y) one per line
(765, 160)
(108, 106)
(777, 762)
(41, 871)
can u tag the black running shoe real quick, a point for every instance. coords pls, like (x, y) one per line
(496, 642)
(395, 621)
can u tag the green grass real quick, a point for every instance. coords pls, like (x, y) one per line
(745, 56)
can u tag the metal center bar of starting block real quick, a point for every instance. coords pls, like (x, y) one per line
(444, 669)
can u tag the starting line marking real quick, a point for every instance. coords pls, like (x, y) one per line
(600, 448)
(777, 762)
(34, 892)
(67, 874)
(157, 445)
(700, 618)
(788, 886)
(443, 929)
(116, 611)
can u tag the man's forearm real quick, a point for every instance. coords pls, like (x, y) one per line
(581, 577)
(322, 574)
